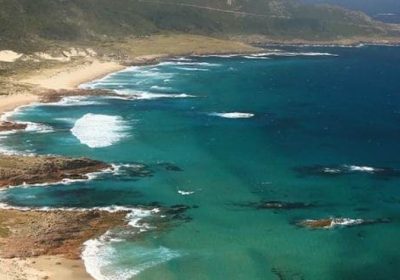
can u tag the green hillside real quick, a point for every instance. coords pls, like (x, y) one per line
(26, 22)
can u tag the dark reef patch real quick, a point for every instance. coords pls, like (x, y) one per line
(276, 205)
(341, 170)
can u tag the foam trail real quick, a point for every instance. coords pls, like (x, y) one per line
(74, 101)
(356, 168)
(193, 69)
(129, 95)
(232, 115)
(98, 131)
(181, 192)
(279, 53)
(161, 88)
(110, 209)
(174, 63)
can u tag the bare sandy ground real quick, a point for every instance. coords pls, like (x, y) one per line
(9, 56)
(45, 267)
(10, 102)
(69, 77)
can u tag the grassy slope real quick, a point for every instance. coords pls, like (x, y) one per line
(24, 23)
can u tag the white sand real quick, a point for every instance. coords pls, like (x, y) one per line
(10, 102)
(47, 267)
(9, 56)
(69, 77)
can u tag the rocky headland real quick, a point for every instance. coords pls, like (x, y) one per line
(34, 233)
(17, 170)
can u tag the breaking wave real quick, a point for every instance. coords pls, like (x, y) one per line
(143, 95)
(99, 131)
(232, 115)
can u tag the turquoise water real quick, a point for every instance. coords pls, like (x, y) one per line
(220, 135)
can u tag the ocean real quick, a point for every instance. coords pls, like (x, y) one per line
(241, 149)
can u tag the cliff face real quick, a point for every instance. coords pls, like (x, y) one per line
(26, 22)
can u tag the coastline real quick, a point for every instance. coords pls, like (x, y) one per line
(46, 83)
(58, 267)
(11, 102)
(339, 42)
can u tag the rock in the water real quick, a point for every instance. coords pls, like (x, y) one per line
(329, 223)
(8, 126)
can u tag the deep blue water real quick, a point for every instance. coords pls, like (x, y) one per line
(304, 115)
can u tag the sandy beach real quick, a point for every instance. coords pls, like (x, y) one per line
(10, 102)
(44, 267)
(65, 77)
(70, 77)
(62, 77)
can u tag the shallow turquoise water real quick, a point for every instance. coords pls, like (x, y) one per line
(311, 111)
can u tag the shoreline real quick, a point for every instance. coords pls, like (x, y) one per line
(56, 82)
(9, 103)
(47, 82)
(257, 40)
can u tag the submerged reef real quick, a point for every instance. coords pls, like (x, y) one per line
(329, 223)
(341, 170)
(283, 205)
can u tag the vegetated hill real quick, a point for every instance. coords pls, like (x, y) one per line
(384, 10)
(24, 23)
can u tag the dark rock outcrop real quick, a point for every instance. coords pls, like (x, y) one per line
(36, 233)
(18, 170)
(8, 126)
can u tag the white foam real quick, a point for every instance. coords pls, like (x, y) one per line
(74, 101)
(233, 115)
(181, 192)
(161, 88)
(110, 209)
(142, 95)
(38, 127)
(193, 69)
(367, 169)
(332, 170)
(118, 169)
(98, 131)
(183, 59)
(31, 126)
(265, 55)
(101, 259)
(339, 222)
(67, 120)
(174, 63)
(346, 222)
(255, 57)
(89, 177)
(136, 216)
(283, 53)
(218, 55)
